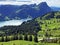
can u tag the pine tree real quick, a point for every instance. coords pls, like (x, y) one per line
(30, 38)
(35, 38)
(6, 38)
(26, 37)
(15, 37)
(2, 38)
(20, 37)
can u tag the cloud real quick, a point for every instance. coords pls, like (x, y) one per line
(15, 0)
(55, 3)
(14, 3)
(2, 0)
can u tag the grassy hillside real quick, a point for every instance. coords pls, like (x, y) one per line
(21, 42)
(46, 26)
(51, 23)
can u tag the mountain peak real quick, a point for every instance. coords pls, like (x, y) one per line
(43, 4)
(24, 10)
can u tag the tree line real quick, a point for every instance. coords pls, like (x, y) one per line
(29, 27)
(19, 37)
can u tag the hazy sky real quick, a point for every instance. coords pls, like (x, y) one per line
(55, 3)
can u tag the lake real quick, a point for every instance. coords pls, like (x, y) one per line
(13, 22)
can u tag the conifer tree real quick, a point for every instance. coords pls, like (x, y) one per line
(35, 38)
(20, 37)
(26, 37)
(6, 38)
(2, 38)
(30, 38)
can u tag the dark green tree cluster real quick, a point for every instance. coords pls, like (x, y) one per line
(26, 27)
(4, 39)
(19, 37)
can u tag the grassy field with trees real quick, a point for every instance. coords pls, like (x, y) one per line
(43, 30)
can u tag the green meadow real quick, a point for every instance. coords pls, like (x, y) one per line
(22, 42)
